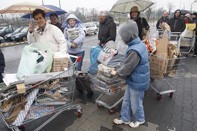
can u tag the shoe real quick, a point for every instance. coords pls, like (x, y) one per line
(194, 55)
(136, 124)
(119, 121)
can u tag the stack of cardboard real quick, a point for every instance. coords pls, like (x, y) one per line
(164, 59)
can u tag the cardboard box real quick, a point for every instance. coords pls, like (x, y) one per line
(59, 64)
(158, 65)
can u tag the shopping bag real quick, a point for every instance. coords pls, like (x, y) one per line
(94, 53)
(34, 61)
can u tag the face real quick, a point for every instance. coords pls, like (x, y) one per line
(165, 14)
(54, 20)
(72, 22)
(40, 20)
(134, 14)
(178, 13)
(101, 18)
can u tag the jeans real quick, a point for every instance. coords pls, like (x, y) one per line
(79, 64)
(133, 101)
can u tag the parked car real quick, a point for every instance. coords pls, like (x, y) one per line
(1, 39)
(117, 23)
(8, 36)
(21, 36)
(5, 30)
(90, 28)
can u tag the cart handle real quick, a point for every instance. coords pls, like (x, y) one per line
(78, 58)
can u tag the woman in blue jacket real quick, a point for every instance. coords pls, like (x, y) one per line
(75, 35)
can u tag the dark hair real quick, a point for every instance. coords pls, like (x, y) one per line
(38, 11)
(53, 14)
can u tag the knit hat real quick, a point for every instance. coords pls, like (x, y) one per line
(187, 15)
(134, 8)
(128, 31)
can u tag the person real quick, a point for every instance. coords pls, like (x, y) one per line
(177, 23)
(164, 18)
(46, 33)
(75, 34)
(55, 21)
(187, 18)
(141, 22)
(2, 65)
(194, 20)
(136, 70)
(107, 28)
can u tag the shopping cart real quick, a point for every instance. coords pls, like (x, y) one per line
(51, 96)
(166, 74)
(187, 40)
(112, 88)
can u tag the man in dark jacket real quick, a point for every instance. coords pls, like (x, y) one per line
(2, 66)
(164, 18)
(107, 28)
(55, 21)
(177, 23)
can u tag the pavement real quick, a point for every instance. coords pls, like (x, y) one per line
(178, 113)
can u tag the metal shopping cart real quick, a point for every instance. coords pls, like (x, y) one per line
(166, 74)
(112, 88)
(52, 95)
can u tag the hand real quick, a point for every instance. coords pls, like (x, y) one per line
(113, 72)
(73, 45)
(31, 27)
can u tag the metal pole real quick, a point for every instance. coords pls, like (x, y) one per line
(42, 2)
(59, 4)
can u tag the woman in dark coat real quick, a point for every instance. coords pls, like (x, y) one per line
(2, 65)
(141, 22)
(177, 23)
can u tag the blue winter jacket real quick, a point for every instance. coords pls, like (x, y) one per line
(139, 79)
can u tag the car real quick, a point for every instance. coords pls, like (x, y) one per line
(90, 28)
(1, 39)
(5, 30)
(21, 36)
(117, 23)
(8, 36)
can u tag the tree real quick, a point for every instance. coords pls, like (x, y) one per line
(170, 7)
(148, 13)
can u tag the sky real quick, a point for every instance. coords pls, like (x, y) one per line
(68, 5)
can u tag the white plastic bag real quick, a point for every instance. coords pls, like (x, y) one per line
(34, 61)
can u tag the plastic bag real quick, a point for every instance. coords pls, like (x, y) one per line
(34, 61)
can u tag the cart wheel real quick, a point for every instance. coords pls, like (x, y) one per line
(159, 96)
(90, 94)
(79, 114)
(171, 95)
(113, 110)
(21, 128)
(99, 106)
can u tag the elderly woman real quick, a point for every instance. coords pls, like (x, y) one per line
(141, 22)
(46, 33)
(136, 71)
(75, 34)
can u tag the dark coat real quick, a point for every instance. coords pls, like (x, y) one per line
(2, 65)
(107, 30)
(162, 19)
(141, 23)
(180, 23)
(59, 25)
